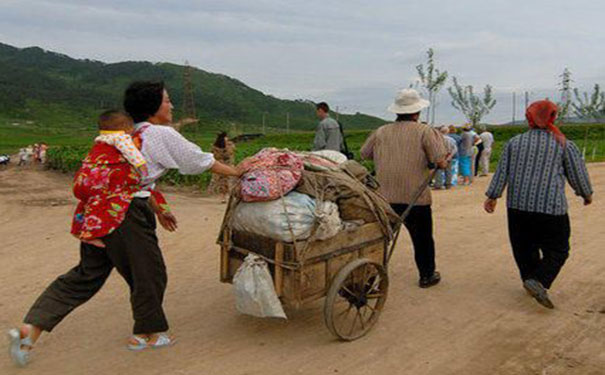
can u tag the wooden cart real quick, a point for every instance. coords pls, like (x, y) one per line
(348, 269)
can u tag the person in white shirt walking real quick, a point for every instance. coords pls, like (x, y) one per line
(487, 140)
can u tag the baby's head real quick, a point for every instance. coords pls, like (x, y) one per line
(116, 119)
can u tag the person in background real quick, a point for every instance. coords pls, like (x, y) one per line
(25, 155)
(443, 178)
(22, 156)
(456, 159)
(224, 151)
(36, 153)
(403, 152)
(43, 150)
(328, 135)
(466, 153)
(455, 136)
(477, 153)
(487, 140)
(534, 167)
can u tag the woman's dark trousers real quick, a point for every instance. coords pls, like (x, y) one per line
(540, 244)
(133, 250)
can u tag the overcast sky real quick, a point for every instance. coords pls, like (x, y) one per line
(353, 54)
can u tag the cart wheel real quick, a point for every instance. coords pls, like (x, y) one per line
(355, 299)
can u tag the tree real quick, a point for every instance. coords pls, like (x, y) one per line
(432, 79)
(589, 106)
(471, 105)
(565, 89)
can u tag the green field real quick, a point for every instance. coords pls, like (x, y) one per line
(68, 146)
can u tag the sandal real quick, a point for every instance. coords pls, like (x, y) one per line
(15, 347)
(162, 341)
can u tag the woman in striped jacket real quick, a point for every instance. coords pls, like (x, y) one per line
(535, 166)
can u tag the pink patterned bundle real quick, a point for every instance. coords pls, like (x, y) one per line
(270, 174)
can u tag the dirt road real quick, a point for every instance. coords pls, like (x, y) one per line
(477, 321)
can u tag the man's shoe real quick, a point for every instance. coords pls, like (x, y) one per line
(427, 282)
(536, 290)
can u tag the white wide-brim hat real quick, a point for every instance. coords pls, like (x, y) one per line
(408, 101)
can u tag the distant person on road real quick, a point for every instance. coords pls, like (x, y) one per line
(328, 135)
(22, 156)
(477, 153)
(224, 151)
(36, 150)
(456, 158)
(25, 155)
(534, 166)
(443, 178)
(43, 150)
(402, 152)
(467, 153)
(487, 140)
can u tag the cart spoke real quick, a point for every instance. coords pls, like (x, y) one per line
(374, 277)
(353, 325)
(366, 277)
(370, 307)
(375, 284)
(345, 312)
(363, 326)
(348, 291)
(374, 295)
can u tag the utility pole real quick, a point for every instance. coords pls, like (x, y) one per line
(526, 100)
(337, 111)
(188, 102)
(514, 106)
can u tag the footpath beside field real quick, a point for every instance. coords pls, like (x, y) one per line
(477, 321)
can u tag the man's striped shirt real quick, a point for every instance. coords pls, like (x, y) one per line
(402, 152)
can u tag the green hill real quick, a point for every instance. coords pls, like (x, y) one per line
(55, 90)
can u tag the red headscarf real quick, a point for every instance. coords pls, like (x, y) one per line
(542, 115)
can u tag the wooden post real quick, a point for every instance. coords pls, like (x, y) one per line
(279, 271)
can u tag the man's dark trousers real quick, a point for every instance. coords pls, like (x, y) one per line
(419, 224)
(531, 232)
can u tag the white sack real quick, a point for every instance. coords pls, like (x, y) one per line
(269, 219)
(254, 291)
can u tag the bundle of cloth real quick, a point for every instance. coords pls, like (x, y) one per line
(292, 196)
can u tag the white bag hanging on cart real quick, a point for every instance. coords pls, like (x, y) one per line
(254, 291)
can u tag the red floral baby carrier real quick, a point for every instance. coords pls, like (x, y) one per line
(105, 185)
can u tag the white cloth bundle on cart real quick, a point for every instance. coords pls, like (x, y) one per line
(254, 291)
